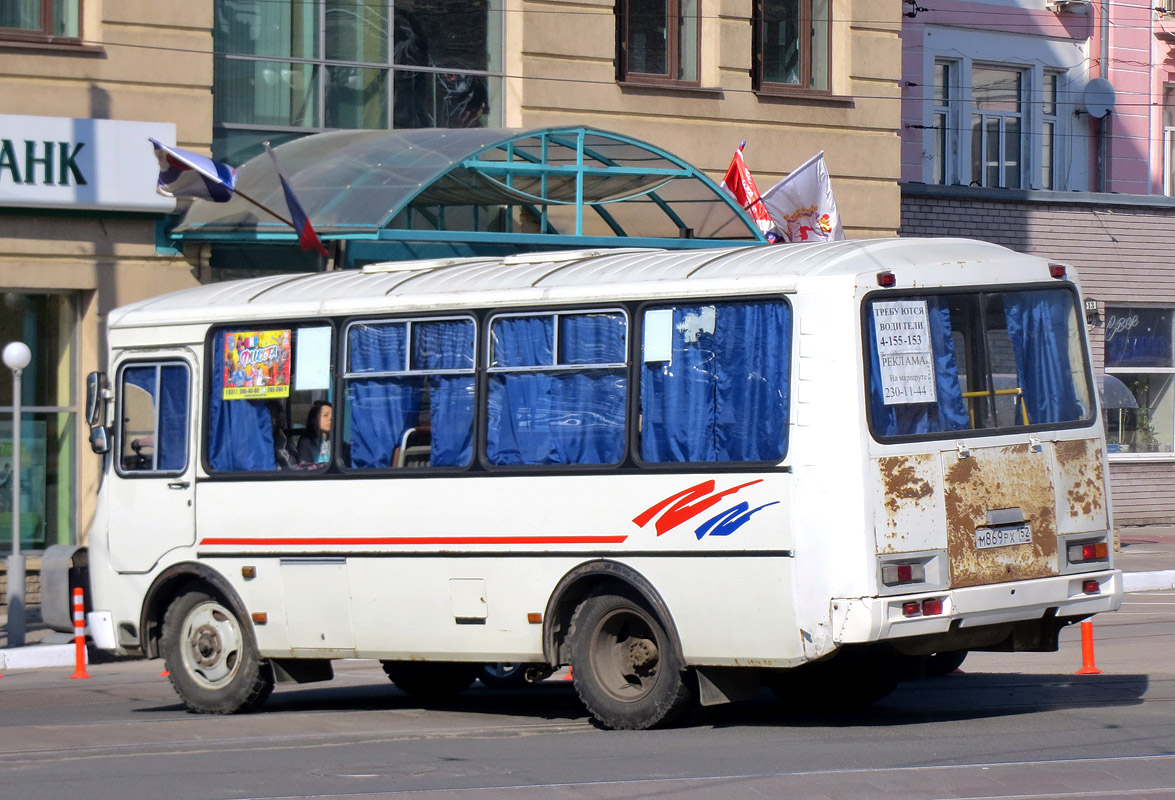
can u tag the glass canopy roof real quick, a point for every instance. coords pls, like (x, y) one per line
(552, 186)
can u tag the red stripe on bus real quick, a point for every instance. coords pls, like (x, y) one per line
(422, 540)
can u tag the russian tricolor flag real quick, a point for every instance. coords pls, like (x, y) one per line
(186, 174)
(307, 238)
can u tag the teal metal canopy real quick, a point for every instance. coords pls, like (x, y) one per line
(550, 187)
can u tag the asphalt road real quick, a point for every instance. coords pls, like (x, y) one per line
(1010, 726)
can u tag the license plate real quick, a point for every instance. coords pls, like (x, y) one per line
(1002, 537)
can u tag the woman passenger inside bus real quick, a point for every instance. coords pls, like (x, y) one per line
(314, 446)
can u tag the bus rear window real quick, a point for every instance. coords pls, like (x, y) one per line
(939, 363)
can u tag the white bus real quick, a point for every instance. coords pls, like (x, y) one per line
(687, 475)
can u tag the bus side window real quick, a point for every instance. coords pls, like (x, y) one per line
(714, 382)
(154, 419)
(410, 393)
(262, 382)
(557, 388)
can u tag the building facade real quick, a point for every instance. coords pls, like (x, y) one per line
(694, 77)
(82, 86)
(1046, 126)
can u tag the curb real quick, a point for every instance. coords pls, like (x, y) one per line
(42, 655)
(1148, 581)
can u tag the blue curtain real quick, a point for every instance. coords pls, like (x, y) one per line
(949, 412)
(448, 344)
(381, 409)
(1038, 325)
(557, 416)
(240, 432)
(173, 418)
(724, 395)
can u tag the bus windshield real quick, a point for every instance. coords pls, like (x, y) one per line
(944, 362)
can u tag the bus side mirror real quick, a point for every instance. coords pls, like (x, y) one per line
(96, 392)
(96, 398)
(99, 443)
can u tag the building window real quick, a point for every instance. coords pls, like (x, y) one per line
(48, 439)
(657, 40)
(287, 68)
(944, 126)
(999, 126)
(36, 19)
(1137, 397)
(791, 44)
(1169, 140)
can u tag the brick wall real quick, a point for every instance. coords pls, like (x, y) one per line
(1123, 248)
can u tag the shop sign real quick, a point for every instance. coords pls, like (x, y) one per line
(59, 162)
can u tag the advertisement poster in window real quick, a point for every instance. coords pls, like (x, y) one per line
(256, 364)
(32, 482)
(904, 352)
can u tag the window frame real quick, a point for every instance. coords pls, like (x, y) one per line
(344, 374)
(481, 443)
(953, 102)
(319, 65)
(759, 81)
(217, 329)
(120, 414)
(46, 35)
(636, 371)
(1169, 139)
(1169, 370)
(673, 56)
(971, 433)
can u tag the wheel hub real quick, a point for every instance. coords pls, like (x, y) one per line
(206, 645)
(641, 654)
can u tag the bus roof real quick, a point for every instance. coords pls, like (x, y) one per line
(569, 276)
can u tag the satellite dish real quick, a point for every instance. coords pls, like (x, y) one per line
(1098, 98)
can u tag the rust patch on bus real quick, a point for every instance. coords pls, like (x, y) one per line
(1081, 480)
(908, 489)
(904, 481)
(991, 479)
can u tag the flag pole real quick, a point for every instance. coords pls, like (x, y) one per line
(264, 208)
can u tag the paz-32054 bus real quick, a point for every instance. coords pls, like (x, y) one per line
(688, 475)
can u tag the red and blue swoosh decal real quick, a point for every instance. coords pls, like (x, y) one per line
(677, 509)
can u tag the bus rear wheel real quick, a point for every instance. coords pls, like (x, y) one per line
(431, 680)
(624, 666)
(211, 657)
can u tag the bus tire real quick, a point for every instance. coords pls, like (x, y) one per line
(430, 681)
(211, 657)
(623, 664)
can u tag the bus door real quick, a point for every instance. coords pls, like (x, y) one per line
(152, 492)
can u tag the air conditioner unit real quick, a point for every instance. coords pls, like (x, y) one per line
(1080, 6)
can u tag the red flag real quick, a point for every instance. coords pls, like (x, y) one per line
(307, 238)
(741, 186)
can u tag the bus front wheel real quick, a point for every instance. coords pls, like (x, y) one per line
(623, 664)
(211, 657)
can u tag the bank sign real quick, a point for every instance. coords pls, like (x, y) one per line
(58, 162)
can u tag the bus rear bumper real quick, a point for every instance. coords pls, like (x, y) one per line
(875, 619)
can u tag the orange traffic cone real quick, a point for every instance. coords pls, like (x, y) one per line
(1087, 665)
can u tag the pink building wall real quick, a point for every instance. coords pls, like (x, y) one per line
(1141, 61)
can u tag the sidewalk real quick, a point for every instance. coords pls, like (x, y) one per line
(1146, 556)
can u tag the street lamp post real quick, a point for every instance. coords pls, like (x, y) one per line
(16, 357)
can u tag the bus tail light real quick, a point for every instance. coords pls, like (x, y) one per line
(1057, 270)
(931, 607)
(1083, 552)
(897, 574)
(1091, 587)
